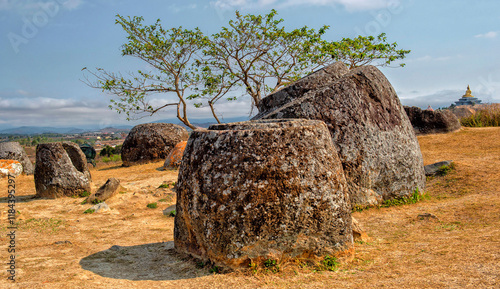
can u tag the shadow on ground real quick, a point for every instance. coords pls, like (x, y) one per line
(21, 199)
(155, 261)
(109, 168)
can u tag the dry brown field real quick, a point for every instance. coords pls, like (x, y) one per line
(131, 245)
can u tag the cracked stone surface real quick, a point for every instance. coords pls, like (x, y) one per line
(370, 130)
(150, 142)
(258, 189)
(61, 170)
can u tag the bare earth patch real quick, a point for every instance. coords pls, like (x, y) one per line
(131, 245)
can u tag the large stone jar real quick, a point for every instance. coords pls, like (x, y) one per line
(373, 136)
(150, 142)
(61, 170)
(262, 189)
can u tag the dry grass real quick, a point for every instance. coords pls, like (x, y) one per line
(459, 249)
(486, 115)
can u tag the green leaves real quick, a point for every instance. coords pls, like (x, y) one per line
(254, 54)
(365, 50)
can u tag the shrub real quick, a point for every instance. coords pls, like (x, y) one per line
(89, 211)
(153, 205)
(329, 263)
(487, 116)
(107, 151)
(271, 265)
(84, 194)
(215, 270)
(444, 170)
(414, 198)
(112, 158)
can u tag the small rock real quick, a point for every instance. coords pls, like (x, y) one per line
(358, 233)
(100, 206)
(10, 167)
(115, 248)
(169, 210)
(432, 169)
(106, 191)
(175, 157)
(14, 151)
(63, 242)
(426, 216)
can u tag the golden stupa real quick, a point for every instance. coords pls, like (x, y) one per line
(468, 92)
(467, 98)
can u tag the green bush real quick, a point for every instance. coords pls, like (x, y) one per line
(489, 116)
(84, 194)
(153, 205)
(414, 198)
(113, 158)
(271, 265)
(329, 263)
(444, 169)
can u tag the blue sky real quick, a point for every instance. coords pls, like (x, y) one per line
(44, 44)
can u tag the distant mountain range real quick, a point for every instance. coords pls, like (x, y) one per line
(33, 130)
(29, 130)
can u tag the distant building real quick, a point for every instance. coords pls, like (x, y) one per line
(468, 98)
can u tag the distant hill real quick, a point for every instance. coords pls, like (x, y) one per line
(204, 122)
(41, 129)
(33, 130)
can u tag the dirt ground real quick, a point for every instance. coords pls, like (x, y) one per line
(131, 245)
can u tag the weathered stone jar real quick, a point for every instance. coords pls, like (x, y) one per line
(262, 189)
(61, 170)
(373, 136)
(150, 142)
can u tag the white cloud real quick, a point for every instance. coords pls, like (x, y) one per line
(46, 111)
(176, 8)
(351, 5)
(443, 98)
(491, 34)
(428, 58)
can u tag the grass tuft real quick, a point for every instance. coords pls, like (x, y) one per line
(414, 198)
(444, 170)
(153, 205)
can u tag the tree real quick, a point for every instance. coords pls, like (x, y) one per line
(171, 53)
(255, 50)
(365, 50)
(254, 53)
